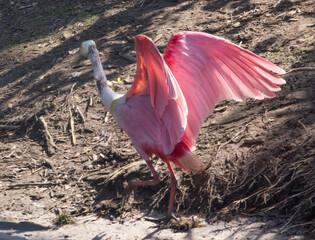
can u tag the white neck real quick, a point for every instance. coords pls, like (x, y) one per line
(108, 96)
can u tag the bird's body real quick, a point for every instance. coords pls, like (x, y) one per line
(173, 94)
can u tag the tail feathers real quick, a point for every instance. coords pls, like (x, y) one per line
(184, 158)
(190, 162)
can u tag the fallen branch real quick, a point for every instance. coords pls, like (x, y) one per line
(48, 137)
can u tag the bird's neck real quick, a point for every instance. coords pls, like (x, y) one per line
(106, 93)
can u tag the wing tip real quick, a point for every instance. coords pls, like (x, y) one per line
(282, 71)
(274, 68)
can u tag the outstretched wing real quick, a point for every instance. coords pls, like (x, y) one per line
(154, 78)
(209, 69)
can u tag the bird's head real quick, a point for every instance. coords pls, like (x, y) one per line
(85, 46)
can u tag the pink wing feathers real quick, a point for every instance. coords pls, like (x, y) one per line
(154, 79)
(209, 69)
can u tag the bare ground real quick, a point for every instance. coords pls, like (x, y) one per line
(60, 152)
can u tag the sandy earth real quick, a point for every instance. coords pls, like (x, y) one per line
(260, 155)
(92, 227)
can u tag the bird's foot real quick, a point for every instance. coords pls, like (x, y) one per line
(182, 224)
(162, 222)
(137, 182)
(169, 217)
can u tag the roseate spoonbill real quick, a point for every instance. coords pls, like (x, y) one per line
(173, 93)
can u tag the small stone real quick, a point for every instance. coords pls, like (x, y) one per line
(76, 74)
(24, 81)
(237, 24)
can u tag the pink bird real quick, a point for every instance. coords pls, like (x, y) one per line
(174, 93)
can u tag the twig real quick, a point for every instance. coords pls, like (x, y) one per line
(27, 6)
(9, 127)
(80, 113)
(32, 185)
(266, 116)
(8, 156)
(49, 138)
(22, 153)
(73, 137)
(300, 122)
(142, 3)
(301, 69)
(56, 109)
(250, 215)
(278, 4)
(235, 136)
(89, 104)
(116, 173)
(36, 170)
(72, 87)
(307, 139)
(106, 117)
(220, 109)
(157, 38)
(288, 198)
(253, 177)
(128, 57)
(298, 225)
(288, 222)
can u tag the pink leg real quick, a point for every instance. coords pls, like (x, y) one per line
(154, 181)
(173, 188)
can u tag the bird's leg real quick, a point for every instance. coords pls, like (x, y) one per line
(135, 183)
(169, 214)
(156, 179)
(172, 194)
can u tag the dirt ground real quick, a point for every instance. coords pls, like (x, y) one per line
(62, 155)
